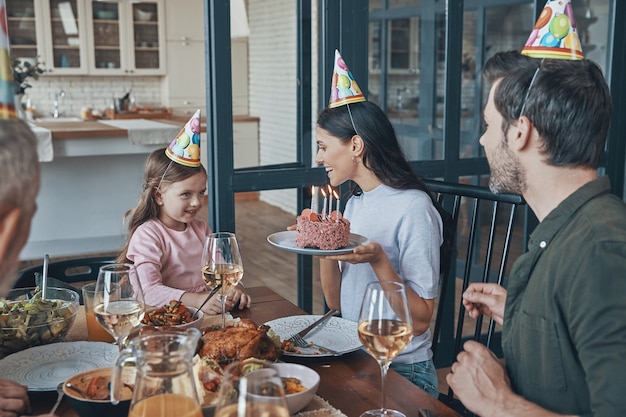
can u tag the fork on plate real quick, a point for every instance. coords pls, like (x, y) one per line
(298, 338)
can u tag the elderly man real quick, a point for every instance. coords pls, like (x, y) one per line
(564, 311)
(19, 184)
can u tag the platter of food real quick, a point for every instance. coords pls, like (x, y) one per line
(336, 336)
(42, 368)
(286, 240)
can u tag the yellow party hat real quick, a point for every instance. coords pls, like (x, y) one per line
(555, 35)
(344, 89)
(185, 148)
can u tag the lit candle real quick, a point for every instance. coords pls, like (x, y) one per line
(324, 205)
(337, 209)
(315, 191)
(330, 200)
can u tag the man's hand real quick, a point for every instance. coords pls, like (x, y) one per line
(479, 379)
(13, 399)
(487, 299)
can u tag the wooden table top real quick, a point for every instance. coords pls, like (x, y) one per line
(350, 383)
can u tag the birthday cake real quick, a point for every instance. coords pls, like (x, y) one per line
(322, 232)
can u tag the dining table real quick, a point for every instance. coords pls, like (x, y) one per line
(349, 384)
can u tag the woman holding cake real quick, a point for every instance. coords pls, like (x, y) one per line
(393, 208)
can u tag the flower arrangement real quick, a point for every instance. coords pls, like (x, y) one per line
(23, 71)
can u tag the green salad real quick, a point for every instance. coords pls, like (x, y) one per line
(34, 321)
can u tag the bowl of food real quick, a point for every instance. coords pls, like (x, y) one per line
(175, 314)
(142, 15)
(27, 320)
(300, 383)
(88, 393)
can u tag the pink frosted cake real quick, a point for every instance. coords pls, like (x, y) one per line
(328, 233)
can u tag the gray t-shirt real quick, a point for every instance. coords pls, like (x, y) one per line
(408, 227)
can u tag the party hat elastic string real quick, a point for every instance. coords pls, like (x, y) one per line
(352, 120)
(167, 168)
(532, 81)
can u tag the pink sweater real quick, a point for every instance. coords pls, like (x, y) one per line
(168, 261)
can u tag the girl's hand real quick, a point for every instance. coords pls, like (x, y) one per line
(237, 297)
(13, 399)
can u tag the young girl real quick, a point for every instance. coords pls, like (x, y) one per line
(165, 240)
(393, 208)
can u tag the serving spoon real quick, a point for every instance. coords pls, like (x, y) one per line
(211, 294)
(59, 398)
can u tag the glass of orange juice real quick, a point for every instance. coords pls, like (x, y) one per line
(95, 332)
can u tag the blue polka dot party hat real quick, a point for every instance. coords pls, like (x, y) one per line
(555, 35)
(185, 148)
(344, 89)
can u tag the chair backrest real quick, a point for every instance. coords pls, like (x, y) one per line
(484, 224)
(67, 271)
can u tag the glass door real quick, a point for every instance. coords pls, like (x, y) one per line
(66, 42)
(146, 36)
(22, 29)
(107, 52)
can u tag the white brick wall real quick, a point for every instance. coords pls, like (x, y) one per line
(91, 91)
(272, 63)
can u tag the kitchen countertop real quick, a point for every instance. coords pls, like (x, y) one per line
(95, 129)
(89, 129)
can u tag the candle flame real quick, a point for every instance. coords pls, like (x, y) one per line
(323, 192)
(335, 195)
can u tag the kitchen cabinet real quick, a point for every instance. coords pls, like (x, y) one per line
(89, 37)
(184, 84)
(53, 30)
(25, 34)
(126, 38)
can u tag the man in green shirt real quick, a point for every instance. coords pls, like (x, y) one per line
(563, 315)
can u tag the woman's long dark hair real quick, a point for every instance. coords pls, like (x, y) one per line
(382, 153)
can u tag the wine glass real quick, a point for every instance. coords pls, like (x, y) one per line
(222, 264)
(251, 388)
(118, 300)
(384, 330)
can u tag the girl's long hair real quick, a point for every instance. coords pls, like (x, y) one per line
(160, 171)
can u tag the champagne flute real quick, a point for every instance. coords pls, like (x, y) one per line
(222, 264)
(384, 330)
(118, 300)
(251, 388)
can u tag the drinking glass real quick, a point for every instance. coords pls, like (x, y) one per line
(384, 330)
(222, 264)
(119, 302)
(251, 388)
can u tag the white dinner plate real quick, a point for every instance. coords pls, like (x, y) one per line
(287, 241)
(336, 333)
(42, 368)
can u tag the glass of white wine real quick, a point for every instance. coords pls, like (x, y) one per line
(384, 330)
(222, 264)
(118, 300)
(251, 388)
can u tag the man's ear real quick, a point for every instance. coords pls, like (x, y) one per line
(524, 130)
(9, 223)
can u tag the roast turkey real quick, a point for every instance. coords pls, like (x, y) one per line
(241, 341)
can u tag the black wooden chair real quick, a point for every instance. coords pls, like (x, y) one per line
(65, 272)
(484, 224)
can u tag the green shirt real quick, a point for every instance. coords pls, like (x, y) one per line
(564, 335)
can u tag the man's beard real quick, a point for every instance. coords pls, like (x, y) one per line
(507, 175)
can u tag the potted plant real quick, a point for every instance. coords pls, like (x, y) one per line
(23, 72)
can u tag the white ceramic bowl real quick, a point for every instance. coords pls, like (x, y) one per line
(196, 323)
(308, 378)
(142, 15)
